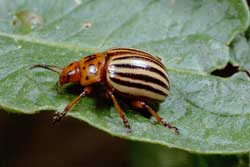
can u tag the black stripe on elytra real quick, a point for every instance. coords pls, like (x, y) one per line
(143, 77)
(137, 85)
(131, 50)
(148, 68)
(151, 59)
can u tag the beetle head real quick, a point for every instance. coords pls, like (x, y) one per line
(71, 73)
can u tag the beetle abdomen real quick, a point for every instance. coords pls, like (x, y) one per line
(137, 74)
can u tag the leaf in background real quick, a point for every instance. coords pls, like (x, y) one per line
(212, 113)
(240, 52)
(148, 155)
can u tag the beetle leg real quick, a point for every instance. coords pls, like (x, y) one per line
(59, 115)
(119, 110)
(143, 105)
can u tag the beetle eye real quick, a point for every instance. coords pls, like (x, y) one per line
(70, 73)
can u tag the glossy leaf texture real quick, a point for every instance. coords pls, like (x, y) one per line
(191, 37)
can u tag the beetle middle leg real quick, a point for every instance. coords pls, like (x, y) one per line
(119, 110)
(143, 105)
(60, 115)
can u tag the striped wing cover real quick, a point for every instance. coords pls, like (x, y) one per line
(137, 74)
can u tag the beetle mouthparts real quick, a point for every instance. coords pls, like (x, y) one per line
(48, 67)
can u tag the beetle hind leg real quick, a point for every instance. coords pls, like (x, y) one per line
(143, 105)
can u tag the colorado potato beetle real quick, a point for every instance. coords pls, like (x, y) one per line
(128, 73)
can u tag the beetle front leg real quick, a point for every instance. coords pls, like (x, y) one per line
(119, 110)
(58, 116)
(143, 105)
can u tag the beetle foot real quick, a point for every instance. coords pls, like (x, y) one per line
(168, 125)
(58, 116)
(128, 128)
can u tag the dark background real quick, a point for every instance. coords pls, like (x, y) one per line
(31, 140)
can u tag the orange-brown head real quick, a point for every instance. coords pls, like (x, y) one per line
(71, 73)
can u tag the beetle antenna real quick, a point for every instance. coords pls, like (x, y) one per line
(48, 67)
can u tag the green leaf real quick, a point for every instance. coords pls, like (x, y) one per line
(240, 52)
(212, 113)
(239, 56)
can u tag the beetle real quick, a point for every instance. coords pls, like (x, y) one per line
(133, 74)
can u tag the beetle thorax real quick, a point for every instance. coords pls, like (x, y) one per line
(92, 69)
